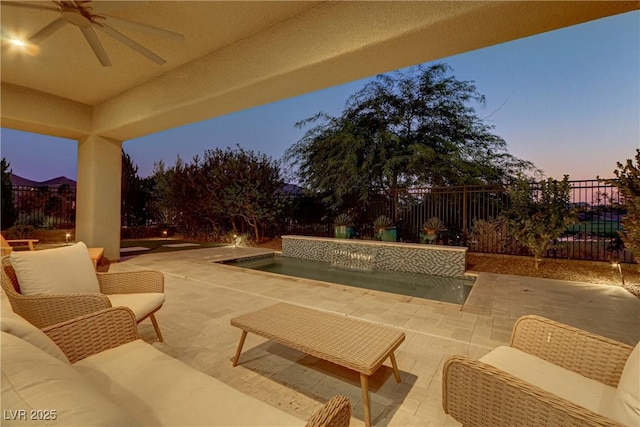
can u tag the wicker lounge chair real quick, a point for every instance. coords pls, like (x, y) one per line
(551, 374)
(142, 288)
(6, 245)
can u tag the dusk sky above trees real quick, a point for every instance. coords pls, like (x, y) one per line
(567, 100)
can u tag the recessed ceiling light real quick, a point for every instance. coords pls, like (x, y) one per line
(18, 42)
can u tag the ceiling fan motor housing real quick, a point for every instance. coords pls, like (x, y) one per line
(76, 16)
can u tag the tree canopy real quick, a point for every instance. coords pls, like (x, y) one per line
(136, 194)
(628, 182)
(224, 188)
(9, 212)
(413, 128)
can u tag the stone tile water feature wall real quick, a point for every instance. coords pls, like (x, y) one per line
(367, 255)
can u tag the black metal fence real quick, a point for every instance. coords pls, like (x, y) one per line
(471, 215)
(45, 207)
(472, 218)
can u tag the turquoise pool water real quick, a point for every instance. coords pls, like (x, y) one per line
(439, 288)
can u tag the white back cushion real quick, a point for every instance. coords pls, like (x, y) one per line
(63, 270)
(627, 402)
(566, 384)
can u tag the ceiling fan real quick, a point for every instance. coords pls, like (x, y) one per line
(87, 18)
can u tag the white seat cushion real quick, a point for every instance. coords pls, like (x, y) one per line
(627, 402)
(582, 391)
(160, 390)
(140, 304)
(64, 270)
(32, 379)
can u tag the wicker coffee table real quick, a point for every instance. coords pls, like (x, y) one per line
(348, 342)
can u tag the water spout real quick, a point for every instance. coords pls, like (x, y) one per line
(352, 260)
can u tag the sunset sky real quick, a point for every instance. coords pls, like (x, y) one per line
(567, 100)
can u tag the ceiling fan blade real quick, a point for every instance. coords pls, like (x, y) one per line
(45, 32)
(99, 6)
(95, 44)
(30, 6)
(131, 43)
(137, 26)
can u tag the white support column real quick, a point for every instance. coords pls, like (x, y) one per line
(98, 194)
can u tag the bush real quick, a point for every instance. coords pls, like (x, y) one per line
(492, 236)
(628, 182)
(237, 239)
(20, 232)
(539, 213)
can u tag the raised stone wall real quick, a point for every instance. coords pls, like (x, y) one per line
(363, 254)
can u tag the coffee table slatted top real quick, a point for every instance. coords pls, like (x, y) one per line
(352, 343)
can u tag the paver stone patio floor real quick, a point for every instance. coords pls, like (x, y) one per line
(201, 298)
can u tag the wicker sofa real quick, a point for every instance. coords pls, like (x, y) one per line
(93, 371)
(551, 374)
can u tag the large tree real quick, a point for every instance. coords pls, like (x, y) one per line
(9, 211)
(134, 196)
(244, 185)
(227, 187)
(628, 182)
(404, 129)
(176, 195)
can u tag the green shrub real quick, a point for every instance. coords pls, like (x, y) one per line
(628, 182)
(491, 235)
(343, 220)
(19, 232)
(382, 222)
(539, 213)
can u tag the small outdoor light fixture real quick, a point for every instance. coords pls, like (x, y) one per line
(615, 264)
(164, 233)
(66, 238)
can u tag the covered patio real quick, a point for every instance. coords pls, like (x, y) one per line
(202, 297)
(238, 55)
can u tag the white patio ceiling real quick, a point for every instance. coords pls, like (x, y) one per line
(238, 55)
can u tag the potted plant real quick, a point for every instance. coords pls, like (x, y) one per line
(384, 229)
(431, 228)
(343, 226)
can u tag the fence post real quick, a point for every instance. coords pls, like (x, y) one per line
(394, 205)
(464, 214)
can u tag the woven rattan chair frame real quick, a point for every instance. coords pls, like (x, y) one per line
(93, 333)
(46, 310)
(477, 394)
(590, 355)
(6, 247)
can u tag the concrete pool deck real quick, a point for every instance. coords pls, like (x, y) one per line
(201, 298)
